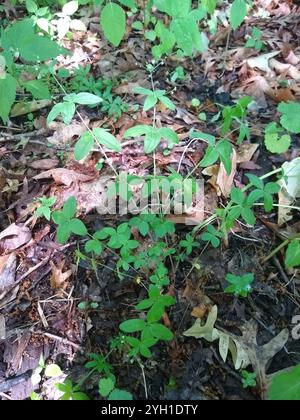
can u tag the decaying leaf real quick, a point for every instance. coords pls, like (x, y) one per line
(225, 181)
(23, 108)
(44, 164)
(58, 279)
(64, 176)
(14, 237)
(64, 133)
(244, 349)
(290, 189)
(2, 328)
(262, 62)
(8, 264)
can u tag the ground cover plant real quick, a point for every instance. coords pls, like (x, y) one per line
(150, 184)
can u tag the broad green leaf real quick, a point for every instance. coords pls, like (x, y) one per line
(38, 89)
(137, 131)
(113, 23)
(70, 208)
(78, 227)
(8, 87)
(161, 332)
(106, 385)
(209, 5)
(169, 135)
(70, 8)
(84, 146)
(85, 98)
(167, 103)
(53, 371)
(118, 394)
(152, 140)
(292, 256)
(132, 325)
(107, 140)
(150, 102)
(238, 12)
(65, 109)
(63, 233)
(286, 385)
(211, 156)
(277, 144)
(31, 6)
(290, 116)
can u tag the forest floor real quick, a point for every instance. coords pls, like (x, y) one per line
(46, 312)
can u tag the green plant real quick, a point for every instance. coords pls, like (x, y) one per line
(240, 286)
(71, 391)
(236, 114)
(153, 136)
(255, 40)
(67, 223)
(153, 97)
(67, 108)
(292, 256)
(212, 236)
(178, 74)
(285, 385)
(275, 139)
(264, 191)
(248, 379)
(290, 116)
(238, 12)
(189, 244)
(17, 41)
(44, 209)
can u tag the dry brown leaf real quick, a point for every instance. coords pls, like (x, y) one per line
(64, 176)
(44, 164)
(200, 311)
(58, 279)
(262, 62)
(281, 95)
(245, 152)
(2, 328)
(64, 133)
(225, 181)
(285, 69)
(8, 264)
(14, 237)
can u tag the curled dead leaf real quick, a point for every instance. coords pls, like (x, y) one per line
(44, 164)
(58, 279)
(14, 237)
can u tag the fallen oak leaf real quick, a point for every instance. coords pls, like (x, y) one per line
(58, 279)
(64, 176)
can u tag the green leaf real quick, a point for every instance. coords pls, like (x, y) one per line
(84, 146)
(78, 227)
(152, 140)
(170, 135)
(137, 131)
(53, 371)
(161, 332)
(107, 140)
(85, 98)
(167, 103)
(238, 12)
(290, 116)
(63, 233)
(150, 102)
(70, 208)
(118, 394)
(38, 89)
(31, 6)
(133, 325)
(66, 109)
(8, 87)
(70, 8)
(113, 22)
(276, 144)
(211, 156)
(292, 257)
(286, 385)
(106, 385)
